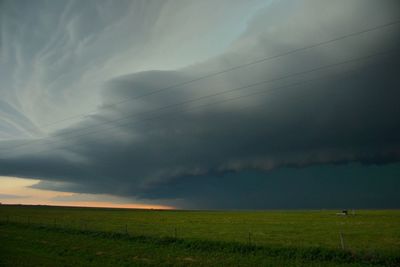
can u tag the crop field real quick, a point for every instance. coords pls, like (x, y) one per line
(66, 236)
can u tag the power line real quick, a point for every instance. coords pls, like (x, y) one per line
(201, 106)
(234, 89)
(229, 70)
(213, 95)
(224, 92)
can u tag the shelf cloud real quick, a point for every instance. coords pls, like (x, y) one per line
(303, 128)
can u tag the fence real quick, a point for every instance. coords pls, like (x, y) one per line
(249, 237)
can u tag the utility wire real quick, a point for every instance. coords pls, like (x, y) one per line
(201, 106)
(229, 91)
(258, 61)
(224, 92)
(208, 96)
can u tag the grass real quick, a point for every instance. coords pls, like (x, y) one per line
(55, 236)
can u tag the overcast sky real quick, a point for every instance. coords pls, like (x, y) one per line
(153, 103)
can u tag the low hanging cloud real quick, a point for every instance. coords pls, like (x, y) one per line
(246, 147)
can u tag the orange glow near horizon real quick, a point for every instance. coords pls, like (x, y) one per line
(18, 191)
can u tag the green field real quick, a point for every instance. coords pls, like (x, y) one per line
(55, 236)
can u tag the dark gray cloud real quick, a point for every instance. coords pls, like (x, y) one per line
(331, 142)
(315, 187)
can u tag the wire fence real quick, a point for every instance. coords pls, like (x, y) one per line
(164, 230)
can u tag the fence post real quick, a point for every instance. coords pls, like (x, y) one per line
(342, 240)
(249, 238)
(175, 233)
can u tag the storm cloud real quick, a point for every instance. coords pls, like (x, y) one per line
(318, 128)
